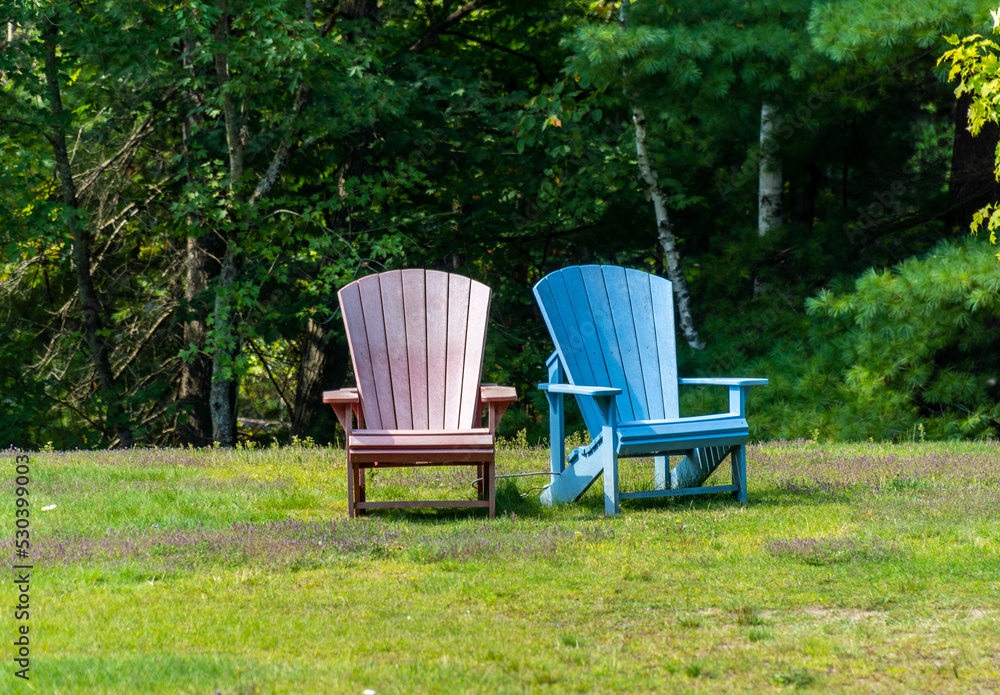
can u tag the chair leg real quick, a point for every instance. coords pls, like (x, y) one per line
(362, 494)
(661, 472)
(612, 501)
(350, 488)
(481, 482)
(490, 480)
(738, 456)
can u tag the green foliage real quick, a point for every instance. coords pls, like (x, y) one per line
(501, 151)
(880, 32)
(975, 61)
(920, 345)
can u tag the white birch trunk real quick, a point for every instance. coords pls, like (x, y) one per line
(769, 184)
(665, 235)
(664, 230)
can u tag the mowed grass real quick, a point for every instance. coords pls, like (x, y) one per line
(854, 568)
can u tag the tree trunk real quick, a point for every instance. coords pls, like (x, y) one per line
(665, 235)
(664, 230)
(308, 378)
(315, 346)
(196, 373)
(89, 303)
(202, 268)
(322, 366)
(769, 182)
(225, 348)
(224, 344)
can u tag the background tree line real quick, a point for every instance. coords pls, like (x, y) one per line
(185, 186)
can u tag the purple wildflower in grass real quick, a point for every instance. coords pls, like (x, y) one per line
(297, 544)
(269, 543)
(829, 551)
(488, 541)
(804, 470)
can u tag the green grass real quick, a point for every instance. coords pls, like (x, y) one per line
(854, 568)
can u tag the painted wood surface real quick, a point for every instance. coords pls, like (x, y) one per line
(613, 332)
(417, 340)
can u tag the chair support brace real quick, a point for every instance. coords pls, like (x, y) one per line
(604, 398)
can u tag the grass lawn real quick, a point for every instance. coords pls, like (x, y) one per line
(857, 568)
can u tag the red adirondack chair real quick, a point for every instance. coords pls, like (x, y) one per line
(417, 339)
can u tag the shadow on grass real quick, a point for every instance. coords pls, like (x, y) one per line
(510, 501)
(769, 498)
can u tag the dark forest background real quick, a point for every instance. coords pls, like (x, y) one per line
(185, 185)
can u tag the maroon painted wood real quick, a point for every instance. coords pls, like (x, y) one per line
(417, 339)
(396, 347)
(457, 332)
(475, 340)
(436, 288)
(415, 312)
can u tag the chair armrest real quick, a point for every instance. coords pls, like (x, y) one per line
(603, 396)
(343, 402)
(497, 398)
(341, 396)
(699, 381)
(491, 393)
(573, 390)
(739, 390)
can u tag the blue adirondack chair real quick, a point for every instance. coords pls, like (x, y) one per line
(613, 331)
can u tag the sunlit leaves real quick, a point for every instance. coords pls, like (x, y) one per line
(975, 63)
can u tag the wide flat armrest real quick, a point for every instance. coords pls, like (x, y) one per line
(491, 393)
(574, 390)
(739, 390)
(341, 396)
(699, 381)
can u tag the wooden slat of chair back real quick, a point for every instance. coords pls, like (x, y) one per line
(614, 327)
(417, 340)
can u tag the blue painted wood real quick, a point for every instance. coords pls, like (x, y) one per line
(583, 316)
(613, 331)
(609, 433)
(628, 347)
(740, 473)
(586, 464)
(597, 366)
(739, 390)
(646, 494)
(662, 297)
(661, 472)
(722, 382)
(574, 390)
(663, 436)
(559, 318)
(600, 304)
(644, 322)
(557, 416)
(695, 468)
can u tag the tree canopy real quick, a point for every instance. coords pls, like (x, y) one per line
(185, 186)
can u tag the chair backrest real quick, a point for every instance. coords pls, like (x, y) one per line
(613, 326)
(417, 340)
